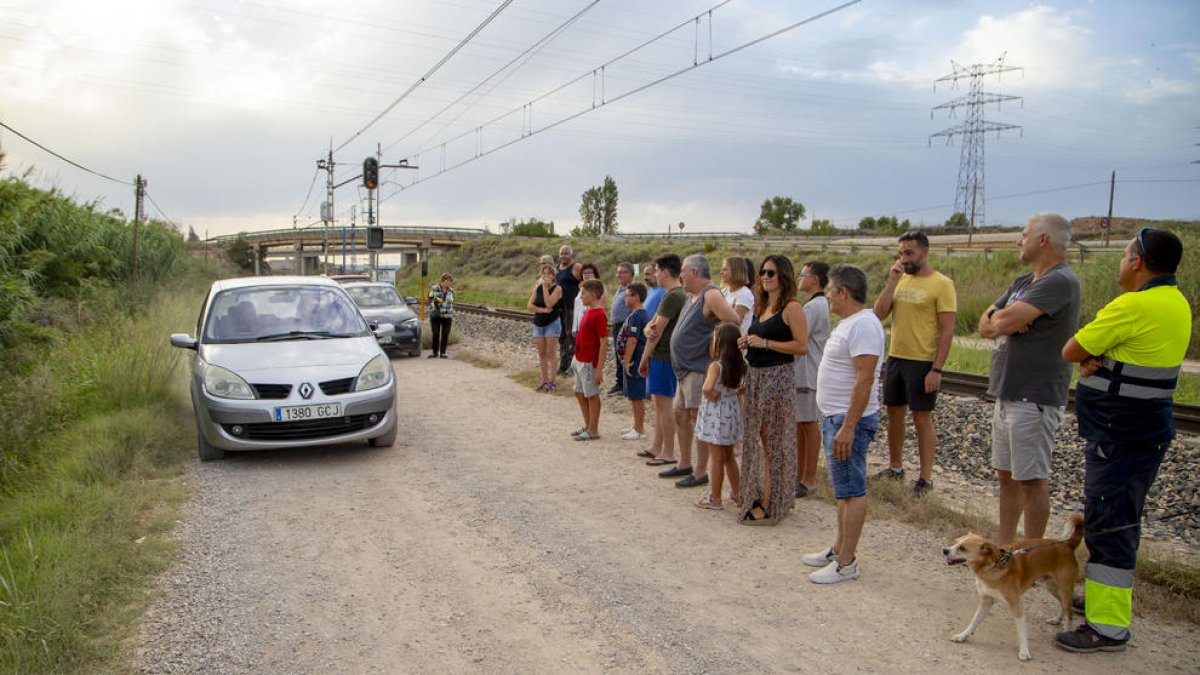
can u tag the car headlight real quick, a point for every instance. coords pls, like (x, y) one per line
(374, 375)
(411, 324)
(224, 383)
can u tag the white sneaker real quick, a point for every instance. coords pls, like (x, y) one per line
(632, 435)
(833, 573)
(820, 559)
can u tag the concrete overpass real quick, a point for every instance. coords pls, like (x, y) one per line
(308, 247)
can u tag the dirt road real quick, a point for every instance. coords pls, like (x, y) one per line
(487, 541)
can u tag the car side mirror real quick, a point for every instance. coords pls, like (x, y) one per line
(411, 300)
(384, 330)
(183, 341)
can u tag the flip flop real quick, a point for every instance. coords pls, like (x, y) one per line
(708, 503)
(659, 461)
(647, 454)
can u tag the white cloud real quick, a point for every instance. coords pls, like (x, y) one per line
(1040, 39)
(1158, 89)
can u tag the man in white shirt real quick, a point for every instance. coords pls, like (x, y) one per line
(814, 277)
(847, 394)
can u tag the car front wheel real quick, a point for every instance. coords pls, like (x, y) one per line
(385, 441)
(206, 450)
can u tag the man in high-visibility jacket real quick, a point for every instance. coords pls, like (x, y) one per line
(1129, 358)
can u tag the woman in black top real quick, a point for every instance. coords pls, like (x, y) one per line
(777, 333)
(545, 302)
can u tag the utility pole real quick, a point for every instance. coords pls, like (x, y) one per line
(1112, 189)
(327, 214)
(970, 196)
(138, 212)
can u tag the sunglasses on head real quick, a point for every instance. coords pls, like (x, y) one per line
(766, 273)
(1142, 244)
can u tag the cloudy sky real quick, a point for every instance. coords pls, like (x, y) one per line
(225, 107)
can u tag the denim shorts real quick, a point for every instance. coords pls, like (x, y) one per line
(634, 387)
(553, 330)
(849, 477)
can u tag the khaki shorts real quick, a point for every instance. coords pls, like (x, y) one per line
(585, 378)
(690, 391)
(1023, 438)
(806, 406)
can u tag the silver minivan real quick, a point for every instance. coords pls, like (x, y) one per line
(287, 362)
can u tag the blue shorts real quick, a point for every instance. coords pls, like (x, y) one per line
(635, 387)
(661, 379)
(551, 331)
(849, 477)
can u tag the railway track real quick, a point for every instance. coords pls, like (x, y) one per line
(1187, 417)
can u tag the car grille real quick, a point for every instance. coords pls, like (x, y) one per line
(299, 431)
(264, 391)
(335, 387)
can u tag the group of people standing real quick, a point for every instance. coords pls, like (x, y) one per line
(746, 365)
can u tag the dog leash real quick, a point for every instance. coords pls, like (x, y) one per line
(1006, 556)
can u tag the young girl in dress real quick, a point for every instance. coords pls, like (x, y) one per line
(719, 420)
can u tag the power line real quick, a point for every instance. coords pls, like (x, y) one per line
(316, 172)
(1031, 193)
(160, 211)
(603, 100)
(427, 75)
(72, 163)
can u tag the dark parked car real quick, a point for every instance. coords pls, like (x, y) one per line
(380, 303)
(286, 362)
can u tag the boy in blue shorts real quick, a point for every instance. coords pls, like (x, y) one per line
(631, 343)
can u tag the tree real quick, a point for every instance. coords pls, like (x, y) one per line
(779, 213)
(533, 228)
(241, 253)
(958, 221)
(822, 226)
(598, 210)
(867, 223)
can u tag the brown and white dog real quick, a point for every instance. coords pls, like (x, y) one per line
(1006, 575)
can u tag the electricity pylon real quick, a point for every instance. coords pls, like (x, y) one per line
(969, 195)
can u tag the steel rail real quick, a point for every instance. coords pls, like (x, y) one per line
(1187, 416)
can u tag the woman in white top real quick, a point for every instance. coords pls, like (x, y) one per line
(588, 271)
(735, 279)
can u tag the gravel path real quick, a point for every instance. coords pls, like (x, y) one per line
(486, 541)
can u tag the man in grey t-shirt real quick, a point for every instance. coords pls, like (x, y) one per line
(1030, 324)
(814, 276)
(690, 358)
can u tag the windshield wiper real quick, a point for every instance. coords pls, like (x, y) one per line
(298, 335)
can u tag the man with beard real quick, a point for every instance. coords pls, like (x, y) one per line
(923, 307)
(569, 274)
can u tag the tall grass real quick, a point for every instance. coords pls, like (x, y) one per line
(85, 513)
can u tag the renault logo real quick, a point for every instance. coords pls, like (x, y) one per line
(306, 390)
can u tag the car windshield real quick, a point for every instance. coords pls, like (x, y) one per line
(372, 297)
(282, 313)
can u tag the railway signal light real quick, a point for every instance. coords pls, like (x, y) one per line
(371, 173)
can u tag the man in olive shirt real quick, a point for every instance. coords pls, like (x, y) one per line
(656, 360)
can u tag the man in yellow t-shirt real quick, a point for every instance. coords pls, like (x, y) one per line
(923, 308)
(1129, 358)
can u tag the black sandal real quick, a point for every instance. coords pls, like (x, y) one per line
(757, 515)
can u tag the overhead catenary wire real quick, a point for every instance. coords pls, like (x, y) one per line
(532, 49)
(427, 74)
(607, 100)
(68, 161)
